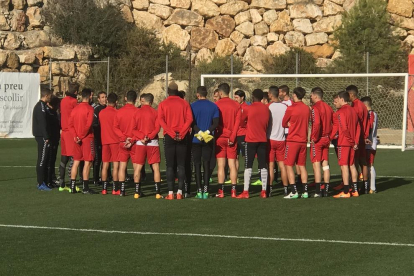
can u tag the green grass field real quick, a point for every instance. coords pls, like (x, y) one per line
(298, 230)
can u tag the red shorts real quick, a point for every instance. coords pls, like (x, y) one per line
(110, 153)
(85, 151)
(295, 153)
(370, 156)
(346, 156)
(223, 150)
(125, 154)
(67, 143)
(277, 150)
(320, 151)
(152, 153)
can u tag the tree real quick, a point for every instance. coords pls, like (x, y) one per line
(365, 28)
(286, 63)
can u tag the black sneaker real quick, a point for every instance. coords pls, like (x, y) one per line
(122, 193)
(88, 192)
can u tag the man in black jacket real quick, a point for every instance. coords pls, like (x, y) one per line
(98, 107)
(41, 132)
(53, 117)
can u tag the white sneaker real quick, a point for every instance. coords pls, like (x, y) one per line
(305, 195)
(292, 195)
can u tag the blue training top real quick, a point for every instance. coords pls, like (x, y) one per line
(204, 112)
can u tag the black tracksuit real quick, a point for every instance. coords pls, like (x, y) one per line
(41, 132)
(98, 142)
(53, 119)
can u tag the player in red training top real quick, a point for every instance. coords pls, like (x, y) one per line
(240, 98)
(346, 126)
(123, 126)
(362, 112)
(175, 117)
(297, 120)
(266, 100)
(226, 148)
(257, 116)
(146, 128)
(80, 125)
(321, 118)
(67, 104)
(213, 160)
(110, 143)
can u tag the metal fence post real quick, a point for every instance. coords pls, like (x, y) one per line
(367, 61)
(297, 68)
(232, 72)
(50, 73)
(107, 78)
(166, 75)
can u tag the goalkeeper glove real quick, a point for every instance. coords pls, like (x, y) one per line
(206, 136)
(199, 135)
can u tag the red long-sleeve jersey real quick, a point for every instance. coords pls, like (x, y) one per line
(230, 116)
(362, 113)
(146, 123)
(321, 117)
(258, 116)
(346, 124)
(124, 122)
(67, 104)
(106, 121)
(80, 121)
(174, 115)
(297, 115)
(243, 120)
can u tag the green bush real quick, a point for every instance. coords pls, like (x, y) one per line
(83, 22)
(365, 28)
(286, 63)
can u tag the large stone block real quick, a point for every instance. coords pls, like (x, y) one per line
(225, 47)
(282, 24)
(269, 17)
(12, 42)
(34, 39)
(246, 28)
(318, 51)
(242, 17)
(401, 7)
(4, 25)
(18, 21)
(161, 11)
(316, 38)
(35, 17)
(205, 8)
(18, 4)
(261, 28)
(203, 38)
(328, 24)
(269, 4)
(183, 4)
(223, 25)
(242, 46)
(148, 20)
(140, 5)
(295, 39)
(330, 8)
(277, 48)
(185, 18)
(302, 25)
(254, 56)
(234, 7)
(305, 10)
(176, 35)
(13, 60)
(204, 55)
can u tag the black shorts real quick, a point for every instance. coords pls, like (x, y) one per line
(241, 145)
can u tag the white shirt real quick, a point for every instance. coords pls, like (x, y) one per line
(277, 132)
(373, 132)
(287, 103)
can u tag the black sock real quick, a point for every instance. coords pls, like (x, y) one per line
(233, 187)
(346, 189)
(62, 183)
(366, 185)
(293, 188)
(205, 189)
(199, 190)
(326, 187)
(298, 179)
(318, 188)
(270, 189)
(285, 188)
(158, 187)
(138, 188)
(305, 187)
(115, 185)
(85, 185)
(355, 186)
(123, 186)
(72, 184)
(105, 185)
(221, 187)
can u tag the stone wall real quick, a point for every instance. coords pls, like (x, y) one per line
(249, 29)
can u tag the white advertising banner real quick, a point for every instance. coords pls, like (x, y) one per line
(19, 93)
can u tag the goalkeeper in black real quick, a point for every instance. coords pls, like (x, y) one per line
(205, 121)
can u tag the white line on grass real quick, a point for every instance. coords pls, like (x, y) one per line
(204, 235)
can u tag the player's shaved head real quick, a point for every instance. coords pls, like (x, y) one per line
(300, 92)
(257, 95)
(112, 98)
(367, 100)
(352, 89)
(131, 96)
(202, 91)
(284, 88)
(344, 95)
(224, 88)
(317, 91)
(274, 91)
(86, 93)
(45, 91)
(148, 98)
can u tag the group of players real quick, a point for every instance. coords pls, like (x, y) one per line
(273, 128)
